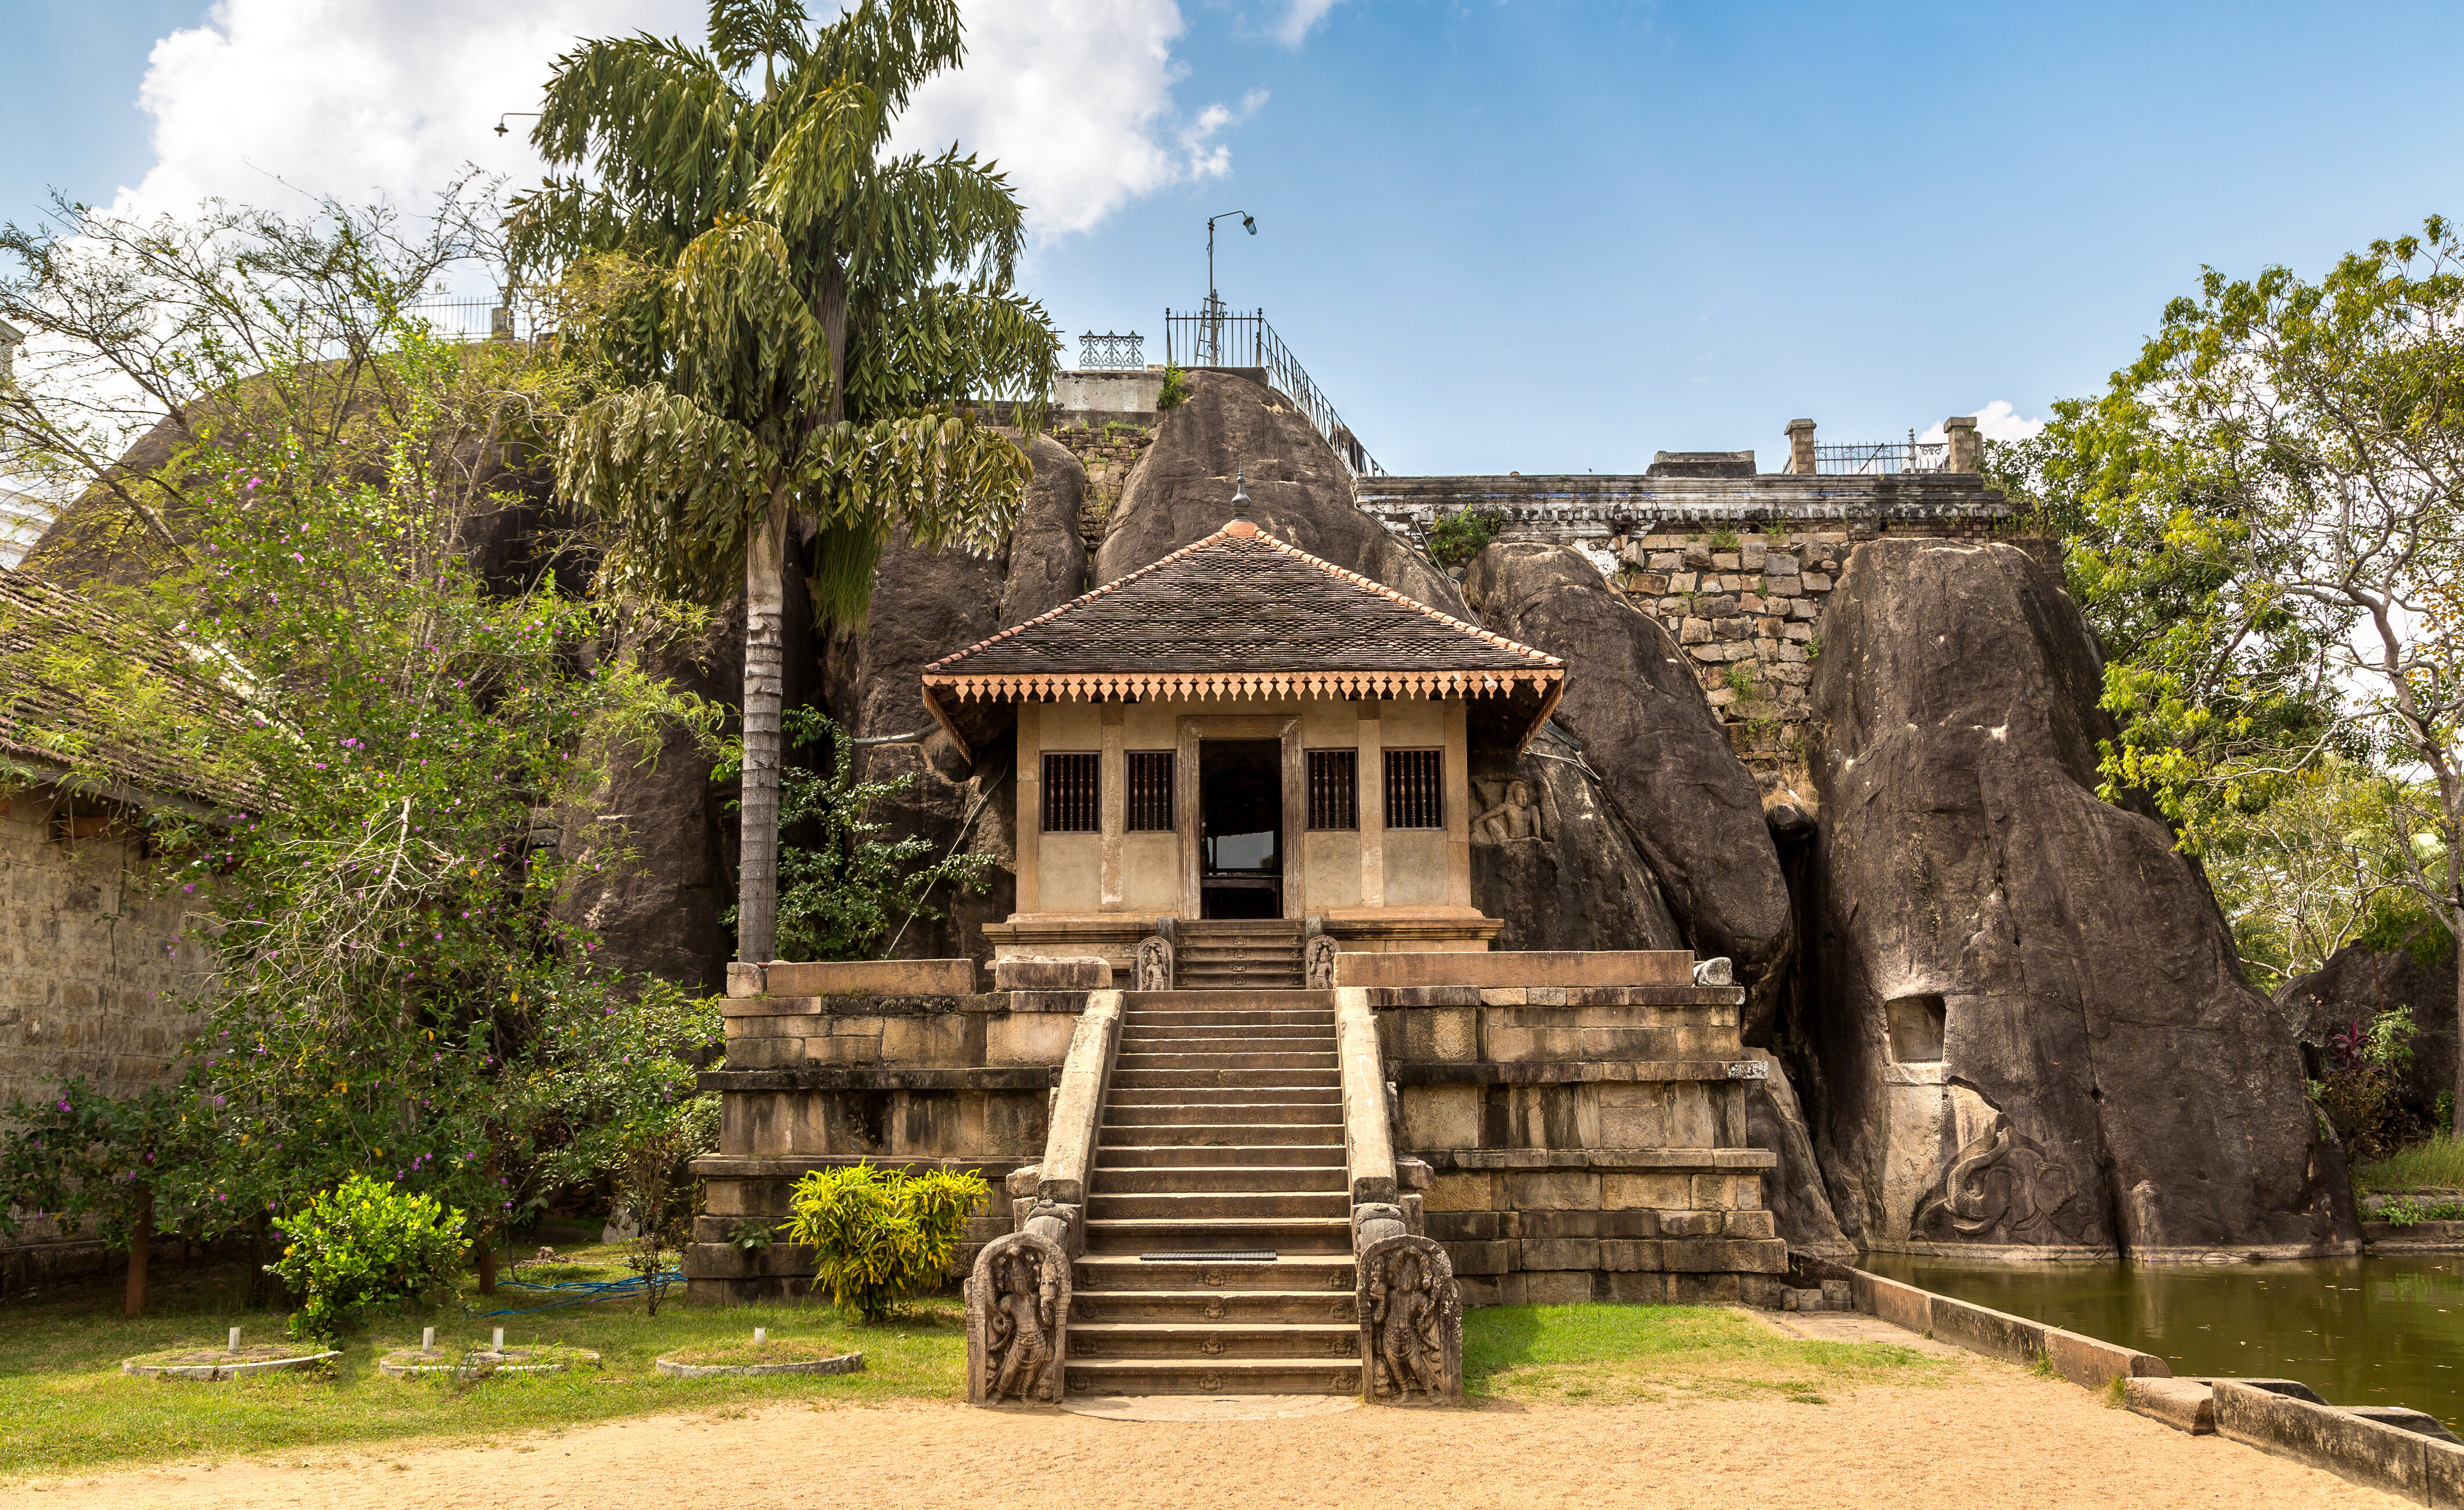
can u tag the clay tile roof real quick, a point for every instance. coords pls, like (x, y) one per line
(1238, 602)
(57, 711)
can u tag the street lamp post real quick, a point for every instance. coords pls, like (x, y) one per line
(1215, 304)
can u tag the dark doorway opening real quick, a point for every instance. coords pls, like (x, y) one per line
(1241, 832)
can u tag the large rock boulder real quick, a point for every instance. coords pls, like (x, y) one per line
(1298, 490)
(2031, 1024)
(2357, 983)
(1687, 800)
(1551, 859)
(657, 840)
(925, 606)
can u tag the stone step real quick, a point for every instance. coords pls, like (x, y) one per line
(1281, 1234)
(1285, 1000)
(1201, 1036)
(1237, 977)
(1121, 1153)
(1183, 1206)
(1229, 1016)
(1209, 1341)
(1217, 1077)
(1327, 1274)
(1170, 1179)
(1309, 1059)
(1212, 1113)
(1198, 1309)
(1198, 1097)
(1219, 1136)
(1137, 1376)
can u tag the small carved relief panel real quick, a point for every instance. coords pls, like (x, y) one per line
(1152, 970)
(1411, 1321)
(1510, 811)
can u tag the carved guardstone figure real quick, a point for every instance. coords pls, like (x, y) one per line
(1019, 1331)
(1152, 970)
(1405, 1313)
(1317, 962)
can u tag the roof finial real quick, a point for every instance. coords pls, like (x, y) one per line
(1237, 525)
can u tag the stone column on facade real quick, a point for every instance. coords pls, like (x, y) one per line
(1112, 788)
(1369, 797)
(1458, 800)
(1801, 447)
(1966, 455)
(1030, 807)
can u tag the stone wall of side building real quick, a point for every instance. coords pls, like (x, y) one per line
(1736, 569)
(93, 968)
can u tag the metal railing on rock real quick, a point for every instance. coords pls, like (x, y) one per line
(1215, 337)
(1883, 459)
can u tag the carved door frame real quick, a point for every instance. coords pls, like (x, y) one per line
(1190, 804)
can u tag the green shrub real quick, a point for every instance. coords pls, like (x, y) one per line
(2366, 1059)
(2403, 1211)
(882, 1236)
(1723, 540)
(361, 1245)
(1458, 536)
(1175, 388)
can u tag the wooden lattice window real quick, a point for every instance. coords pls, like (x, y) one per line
(1415, 790)
(1150, 791)
(1074, 792)
(1333, 789)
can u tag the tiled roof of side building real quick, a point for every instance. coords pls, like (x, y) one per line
(61, 710)
(1242, 600)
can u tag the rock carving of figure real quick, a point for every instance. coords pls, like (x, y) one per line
(1018, 1330)
(1153, 969)
(1403, 1308)
(1318, 964)
(1512, 815)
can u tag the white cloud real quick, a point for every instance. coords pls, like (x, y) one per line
(1999, 421)
(1299, 17)
(1075, 98)
(359, 98)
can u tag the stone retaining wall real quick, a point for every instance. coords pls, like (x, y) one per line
(1584, 1143)
(90, 971)
(914, 1081)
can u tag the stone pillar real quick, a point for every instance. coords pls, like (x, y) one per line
(1112, 780)
(1030, 807)
(1368, 794)
(1966, 453)
(1801, 447)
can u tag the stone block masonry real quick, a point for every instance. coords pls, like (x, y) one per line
(1735, 568)
(93, 966)
(957, 1080)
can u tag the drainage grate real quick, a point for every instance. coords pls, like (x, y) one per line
(1262, 1255)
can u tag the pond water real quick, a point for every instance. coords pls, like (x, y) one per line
(2360, 1331)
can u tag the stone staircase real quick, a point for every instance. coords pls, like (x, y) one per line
(1227, 955)
(1222, 1132)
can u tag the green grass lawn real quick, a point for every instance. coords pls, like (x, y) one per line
(1615, 1353)
(2437, 1165)
(65, 1406)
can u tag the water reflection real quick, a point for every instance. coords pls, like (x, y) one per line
(2360, 1331)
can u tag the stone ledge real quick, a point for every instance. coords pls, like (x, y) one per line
(1559, 1072)
(843, 1077)
(2372, 1454)
(788, 1167)
(1687, 1160)
(892, 1006)
(1515, 968)
(1398, 998)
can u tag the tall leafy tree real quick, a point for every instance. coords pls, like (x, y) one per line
(784, 315)
(2265, 516)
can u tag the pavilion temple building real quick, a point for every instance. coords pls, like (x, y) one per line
(1242, 733)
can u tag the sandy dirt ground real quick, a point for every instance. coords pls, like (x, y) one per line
(1996, 1437)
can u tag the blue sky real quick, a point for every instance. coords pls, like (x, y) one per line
(1500, 235)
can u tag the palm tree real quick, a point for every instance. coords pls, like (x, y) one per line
(785, 316)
